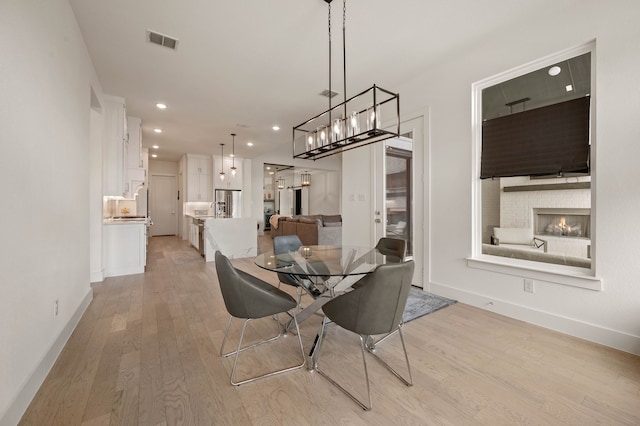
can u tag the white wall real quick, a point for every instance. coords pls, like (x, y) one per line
(324, 193)
(163, 167)
(45, 81)
(609, 316)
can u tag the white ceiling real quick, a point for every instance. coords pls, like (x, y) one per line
(242, 66)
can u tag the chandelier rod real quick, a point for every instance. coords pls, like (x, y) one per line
(329, 24)
(344, 53)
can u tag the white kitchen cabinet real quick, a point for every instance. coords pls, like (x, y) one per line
(115, 147)
(194, 235)
(134, 158)
(199, 178)
(136, 174)
(230, 182)
(125, 248)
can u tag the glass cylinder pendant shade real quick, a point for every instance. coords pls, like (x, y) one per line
(373, 118)
(311, 140)
(337, 130)
(323, 137)
(353, 126)
(280, 182)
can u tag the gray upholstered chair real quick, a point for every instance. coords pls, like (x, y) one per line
(248, 297)
(287, 243)
(374, 308)
(392, 247)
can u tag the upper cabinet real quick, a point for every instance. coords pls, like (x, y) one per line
(230, 181)
(134, 127)
(136, 169)
(199, 178)
(115, 147)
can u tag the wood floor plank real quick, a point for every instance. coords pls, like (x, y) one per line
(146, 352)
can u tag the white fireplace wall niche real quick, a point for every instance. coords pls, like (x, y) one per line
(559, 216)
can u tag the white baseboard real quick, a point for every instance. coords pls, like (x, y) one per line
(96, 276)
(591, 332)
(24, 397)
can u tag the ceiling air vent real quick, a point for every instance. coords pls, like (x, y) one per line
(162, 40)
(327, 92)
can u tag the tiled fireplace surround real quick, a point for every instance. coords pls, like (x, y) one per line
(517, 209)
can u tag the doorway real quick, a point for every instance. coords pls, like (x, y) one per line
(163, 200)
(297, 210)
(398, 198)
(400, 194)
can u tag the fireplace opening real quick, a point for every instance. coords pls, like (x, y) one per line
(567, 222)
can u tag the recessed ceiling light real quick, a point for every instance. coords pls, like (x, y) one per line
(568, 87)
(154, 155)
(268, 168)
(271, 173)
(554, 70)
(161, 106)
(276, 127)
(155, 146)
(249, 143)
(157, 130)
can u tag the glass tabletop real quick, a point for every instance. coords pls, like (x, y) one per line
(325, 261)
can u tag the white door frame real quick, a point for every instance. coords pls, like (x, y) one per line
(420, 197)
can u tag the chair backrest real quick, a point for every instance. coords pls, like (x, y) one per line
(376, 306)
(230, 288)
(286, 243)
(246, 296)
(392, 247)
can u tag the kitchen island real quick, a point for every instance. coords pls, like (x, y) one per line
(234, 237)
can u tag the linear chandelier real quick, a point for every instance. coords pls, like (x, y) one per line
(351, 124)
(305, 179)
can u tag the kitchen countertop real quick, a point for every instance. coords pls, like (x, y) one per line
(125, 220)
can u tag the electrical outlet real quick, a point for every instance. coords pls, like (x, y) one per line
(528, 285)
(55, 308)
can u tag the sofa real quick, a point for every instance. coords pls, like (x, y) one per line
(312, 229)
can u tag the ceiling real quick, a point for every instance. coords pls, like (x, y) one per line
(244, 66)
(539, 88)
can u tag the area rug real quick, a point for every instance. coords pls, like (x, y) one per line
(421, 303)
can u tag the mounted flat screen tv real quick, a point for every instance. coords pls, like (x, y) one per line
(551, 140)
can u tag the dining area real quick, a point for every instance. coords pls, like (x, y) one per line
(362, 290)
(147, 351)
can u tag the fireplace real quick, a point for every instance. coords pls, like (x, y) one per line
(563, 222)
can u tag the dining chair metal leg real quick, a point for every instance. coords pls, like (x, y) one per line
(366, 375)
(261, 342)
(315, 350)
(241, 349)
(408, 382)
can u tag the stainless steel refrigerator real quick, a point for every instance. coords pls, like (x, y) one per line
(228, 203)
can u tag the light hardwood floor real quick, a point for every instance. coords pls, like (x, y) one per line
(146, 352)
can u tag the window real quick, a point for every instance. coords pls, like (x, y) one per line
(532, 150)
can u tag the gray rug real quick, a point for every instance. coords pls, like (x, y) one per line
(421, 303)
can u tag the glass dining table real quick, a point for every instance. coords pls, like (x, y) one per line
(324, 271)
